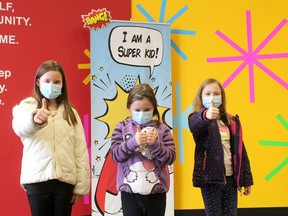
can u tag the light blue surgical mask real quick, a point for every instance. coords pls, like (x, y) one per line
(207, 101)
(50, 90)
(142, 117)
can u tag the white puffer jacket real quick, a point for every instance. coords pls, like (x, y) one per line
(54, 150)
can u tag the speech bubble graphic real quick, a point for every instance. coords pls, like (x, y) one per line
(137, 46)
(96, 19)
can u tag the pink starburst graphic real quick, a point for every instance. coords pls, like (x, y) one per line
(251, 57)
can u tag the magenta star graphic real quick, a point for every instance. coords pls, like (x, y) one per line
(251, 57)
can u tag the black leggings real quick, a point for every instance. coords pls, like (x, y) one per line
(220, 200)
(143, 205)
(50, 198)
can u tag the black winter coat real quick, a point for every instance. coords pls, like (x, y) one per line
(209, 156)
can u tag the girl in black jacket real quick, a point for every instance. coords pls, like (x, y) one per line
(221, 164)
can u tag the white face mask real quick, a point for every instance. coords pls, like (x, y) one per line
(50, 90)
(142, 117)
(207, 101)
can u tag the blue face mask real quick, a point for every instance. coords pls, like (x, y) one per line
(142, 117)
(207, 101)
(50, 91)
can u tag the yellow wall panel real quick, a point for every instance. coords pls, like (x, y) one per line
(262, 106)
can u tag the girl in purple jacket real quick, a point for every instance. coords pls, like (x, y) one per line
(221, 164)
(143, 147)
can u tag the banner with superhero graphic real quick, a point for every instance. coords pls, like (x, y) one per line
(124, 54)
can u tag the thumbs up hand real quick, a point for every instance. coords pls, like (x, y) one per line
(42, 114)
(212, 112)
(152, 135)
(140, 137)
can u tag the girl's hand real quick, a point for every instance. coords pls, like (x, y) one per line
(212, 112)
(75, 198)
(140, 137)
(152, 135)
(247, 190)
(42, 115)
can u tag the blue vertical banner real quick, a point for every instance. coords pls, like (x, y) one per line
(124, 54)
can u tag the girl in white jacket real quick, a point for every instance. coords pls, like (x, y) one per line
(55, 164)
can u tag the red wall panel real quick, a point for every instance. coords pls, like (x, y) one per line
(38, 31)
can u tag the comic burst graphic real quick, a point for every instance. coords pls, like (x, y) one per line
(96, 19)
(118, 102)
(251, 57)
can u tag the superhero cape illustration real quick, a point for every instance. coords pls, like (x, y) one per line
(106, 183)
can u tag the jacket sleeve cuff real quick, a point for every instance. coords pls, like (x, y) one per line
(204, 115)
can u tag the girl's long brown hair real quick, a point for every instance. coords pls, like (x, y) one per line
(45, 67)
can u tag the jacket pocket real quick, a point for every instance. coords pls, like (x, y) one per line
(204, 161)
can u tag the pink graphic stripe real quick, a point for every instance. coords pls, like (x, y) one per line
(271, 56)
(233, 75)
(249, 31)
(270, 36)
(230, 42)
(86, 127)
(250, 57)
(224, 59)
(251, 82)
(271, 74)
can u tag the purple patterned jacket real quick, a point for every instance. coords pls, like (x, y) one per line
(142, 171)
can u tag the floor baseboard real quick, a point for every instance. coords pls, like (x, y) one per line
(281, 211)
